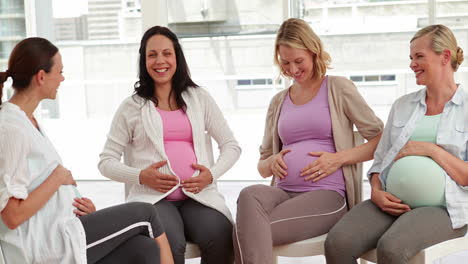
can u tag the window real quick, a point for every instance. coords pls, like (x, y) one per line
(373, 78)
(258, 83)
(229, 47)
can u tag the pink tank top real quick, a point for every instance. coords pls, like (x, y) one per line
(178, 144)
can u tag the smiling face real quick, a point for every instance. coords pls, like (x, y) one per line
(297, 63)
(161, 61)
(54, 77)
(425, 63)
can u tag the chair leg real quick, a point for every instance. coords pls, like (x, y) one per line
(276, 260)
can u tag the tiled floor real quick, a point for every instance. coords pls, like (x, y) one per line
(108, 193)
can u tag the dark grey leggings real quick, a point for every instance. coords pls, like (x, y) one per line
(192, 221)
(123, 234)
(397, 239)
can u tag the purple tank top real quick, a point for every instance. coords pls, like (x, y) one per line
(303, 129)
(178, 144)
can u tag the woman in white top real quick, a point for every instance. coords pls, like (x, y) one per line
(160, 131)
(43, 220)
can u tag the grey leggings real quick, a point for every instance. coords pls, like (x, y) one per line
(122, 234)
(397, 239)
(192, 221)
(268, 216)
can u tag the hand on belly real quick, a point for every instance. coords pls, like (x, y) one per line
(325, 163)
(312, 159)
(296, 161)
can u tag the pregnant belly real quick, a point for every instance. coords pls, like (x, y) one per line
(181, 156)
(418, 181)
(298, 158)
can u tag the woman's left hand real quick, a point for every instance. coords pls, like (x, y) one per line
(198, 183)
(326, 164)
(416, 148)
(83, 206)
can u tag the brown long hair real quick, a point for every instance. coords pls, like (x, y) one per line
(27, 58)
(181, 80)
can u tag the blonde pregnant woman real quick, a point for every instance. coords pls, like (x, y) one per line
(308, 147)
(419, 177)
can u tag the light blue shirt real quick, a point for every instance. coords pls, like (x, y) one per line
(452, 136)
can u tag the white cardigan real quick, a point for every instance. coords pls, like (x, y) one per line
(137, 132)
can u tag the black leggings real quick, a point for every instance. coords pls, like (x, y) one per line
(192, 221)
(123, 234)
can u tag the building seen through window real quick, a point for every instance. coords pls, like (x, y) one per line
(229, 46)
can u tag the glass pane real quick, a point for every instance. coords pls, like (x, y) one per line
(224, 17)
(12, 7)
(387, 77)
(371, 78)
(354, 16)
(453, 14)
(357, 78)
(243, 82)
(259, 81)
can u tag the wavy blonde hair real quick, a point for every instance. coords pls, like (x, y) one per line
(296, 33)
(442, 38)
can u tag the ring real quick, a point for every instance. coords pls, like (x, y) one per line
(196, 189)
(319, 172)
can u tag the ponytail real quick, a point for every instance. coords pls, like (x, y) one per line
(459, 57)
(3, 78)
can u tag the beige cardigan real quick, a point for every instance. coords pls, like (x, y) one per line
(347, 108)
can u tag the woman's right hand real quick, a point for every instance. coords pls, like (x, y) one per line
(66, 177)
(277, 165)
(389, 203)
(160, 182)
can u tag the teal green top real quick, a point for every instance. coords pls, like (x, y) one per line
(418, 180)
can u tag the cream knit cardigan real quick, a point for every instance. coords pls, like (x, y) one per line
(137, 132)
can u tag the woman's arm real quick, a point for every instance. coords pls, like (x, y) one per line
(119, 136)
(83, 206)
(385, 200)
(351, 105)
(17, 211)
(269, 162)
(218, 128)
(361, 153)
(273, 165)
(264, 167)
(164, 249)
(330, 162)
(111, 167)
(456, 168)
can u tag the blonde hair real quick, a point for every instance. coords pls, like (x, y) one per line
(296, 33)
(442, 38)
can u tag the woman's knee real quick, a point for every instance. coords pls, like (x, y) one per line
(339, 241)
(249, 192)
(218, 235)
(390, 250)
(146, 251)
(177, 242)
(141, 209)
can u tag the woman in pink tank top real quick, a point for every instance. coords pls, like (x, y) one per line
(160, 131)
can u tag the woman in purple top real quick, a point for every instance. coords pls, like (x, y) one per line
(309, 149)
